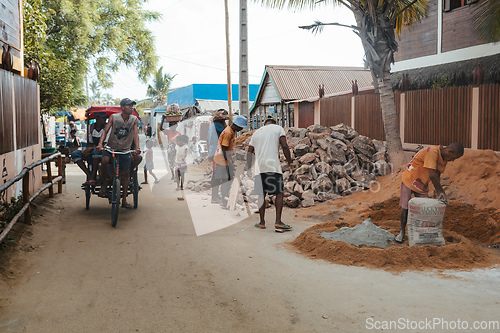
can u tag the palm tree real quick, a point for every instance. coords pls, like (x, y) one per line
(487, 20)
(108, 99)
(96, 92)
(377, 24)
(161, 85)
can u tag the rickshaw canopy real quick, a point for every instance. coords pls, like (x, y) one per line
(109, 110)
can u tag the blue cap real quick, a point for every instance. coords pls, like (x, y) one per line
(240, 121)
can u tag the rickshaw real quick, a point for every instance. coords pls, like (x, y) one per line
(114, 195)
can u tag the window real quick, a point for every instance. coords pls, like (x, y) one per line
(454, 4)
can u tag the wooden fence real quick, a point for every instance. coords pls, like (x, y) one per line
(19, 99)
(6, 114)
(470, 115)
(438, 116)
(489, 117)
(368, 116)
(339, 111)
(24, 175)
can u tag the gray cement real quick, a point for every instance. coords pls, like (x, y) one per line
(365, 233)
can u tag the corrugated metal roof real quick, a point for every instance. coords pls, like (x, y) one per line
(302, 82)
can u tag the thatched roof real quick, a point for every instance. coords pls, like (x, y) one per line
(448, 75)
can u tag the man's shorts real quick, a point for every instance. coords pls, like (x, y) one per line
(405, 196)
(268, 182)
(77, 155)
(124, 159)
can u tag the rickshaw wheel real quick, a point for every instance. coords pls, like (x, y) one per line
(115, 201)
(87, 197)
(135, 189)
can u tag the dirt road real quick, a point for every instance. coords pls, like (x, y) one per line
(152, 273)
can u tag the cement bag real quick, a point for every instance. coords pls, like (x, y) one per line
(425, 221)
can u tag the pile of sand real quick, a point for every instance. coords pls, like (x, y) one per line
(240, 139)
(471, 224)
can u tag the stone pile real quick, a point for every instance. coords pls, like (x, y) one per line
(328, 162)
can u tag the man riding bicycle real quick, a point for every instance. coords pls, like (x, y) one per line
(124, 130)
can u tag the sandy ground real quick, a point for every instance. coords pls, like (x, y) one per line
(73, 272)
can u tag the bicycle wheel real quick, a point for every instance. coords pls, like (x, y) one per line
(115, 201)
(135, 189)
(87, 197)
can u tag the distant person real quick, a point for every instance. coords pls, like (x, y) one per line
(224, 165)
(215, 129)
(149, 165)
(171, 134)
(265, 143)
(149, 131)
(427, 165)
(140, 127)
(180, 165)
(90, 154)
(74, 140)
(195, 150)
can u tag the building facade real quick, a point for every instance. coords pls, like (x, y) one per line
(444, 46)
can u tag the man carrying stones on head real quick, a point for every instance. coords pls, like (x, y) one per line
(427, 165)
(265, 144)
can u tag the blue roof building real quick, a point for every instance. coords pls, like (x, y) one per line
(187, 96)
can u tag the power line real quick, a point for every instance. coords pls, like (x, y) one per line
(175, 4)
(201, 65)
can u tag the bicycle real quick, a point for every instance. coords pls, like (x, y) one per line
(116, 187)
(114, 197)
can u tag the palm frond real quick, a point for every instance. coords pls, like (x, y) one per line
(406, 13)
(297, 4)
(487, 20)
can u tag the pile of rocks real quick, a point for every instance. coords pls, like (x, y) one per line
(327, 163)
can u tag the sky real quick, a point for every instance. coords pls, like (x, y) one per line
(190, 42)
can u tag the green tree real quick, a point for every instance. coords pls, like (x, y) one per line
(95, 88)
(86, 36)
(107, 99)
(487, 20)
(161, 84)
(377, 23)
(103, 35)
(57, 90)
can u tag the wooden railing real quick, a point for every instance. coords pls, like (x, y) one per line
(24, 176)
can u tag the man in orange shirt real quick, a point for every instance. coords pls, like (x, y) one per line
(224, 170)
(427, 165)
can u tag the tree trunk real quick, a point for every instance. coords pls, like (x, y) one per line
(390, 120)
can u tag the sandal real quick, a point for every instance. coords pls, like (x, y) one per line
(260, 226)
(103, 193)
(127, 206)
(283, 227)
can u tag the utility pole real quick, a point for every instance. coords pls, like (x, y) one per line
(243, 89)
(228, 65)
(87, 88)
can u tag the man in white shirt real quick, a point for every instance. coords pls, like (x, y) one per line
(265, 144)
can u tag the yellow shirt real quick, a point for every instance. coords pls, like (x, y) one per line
(417, 174)
(226, 139)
